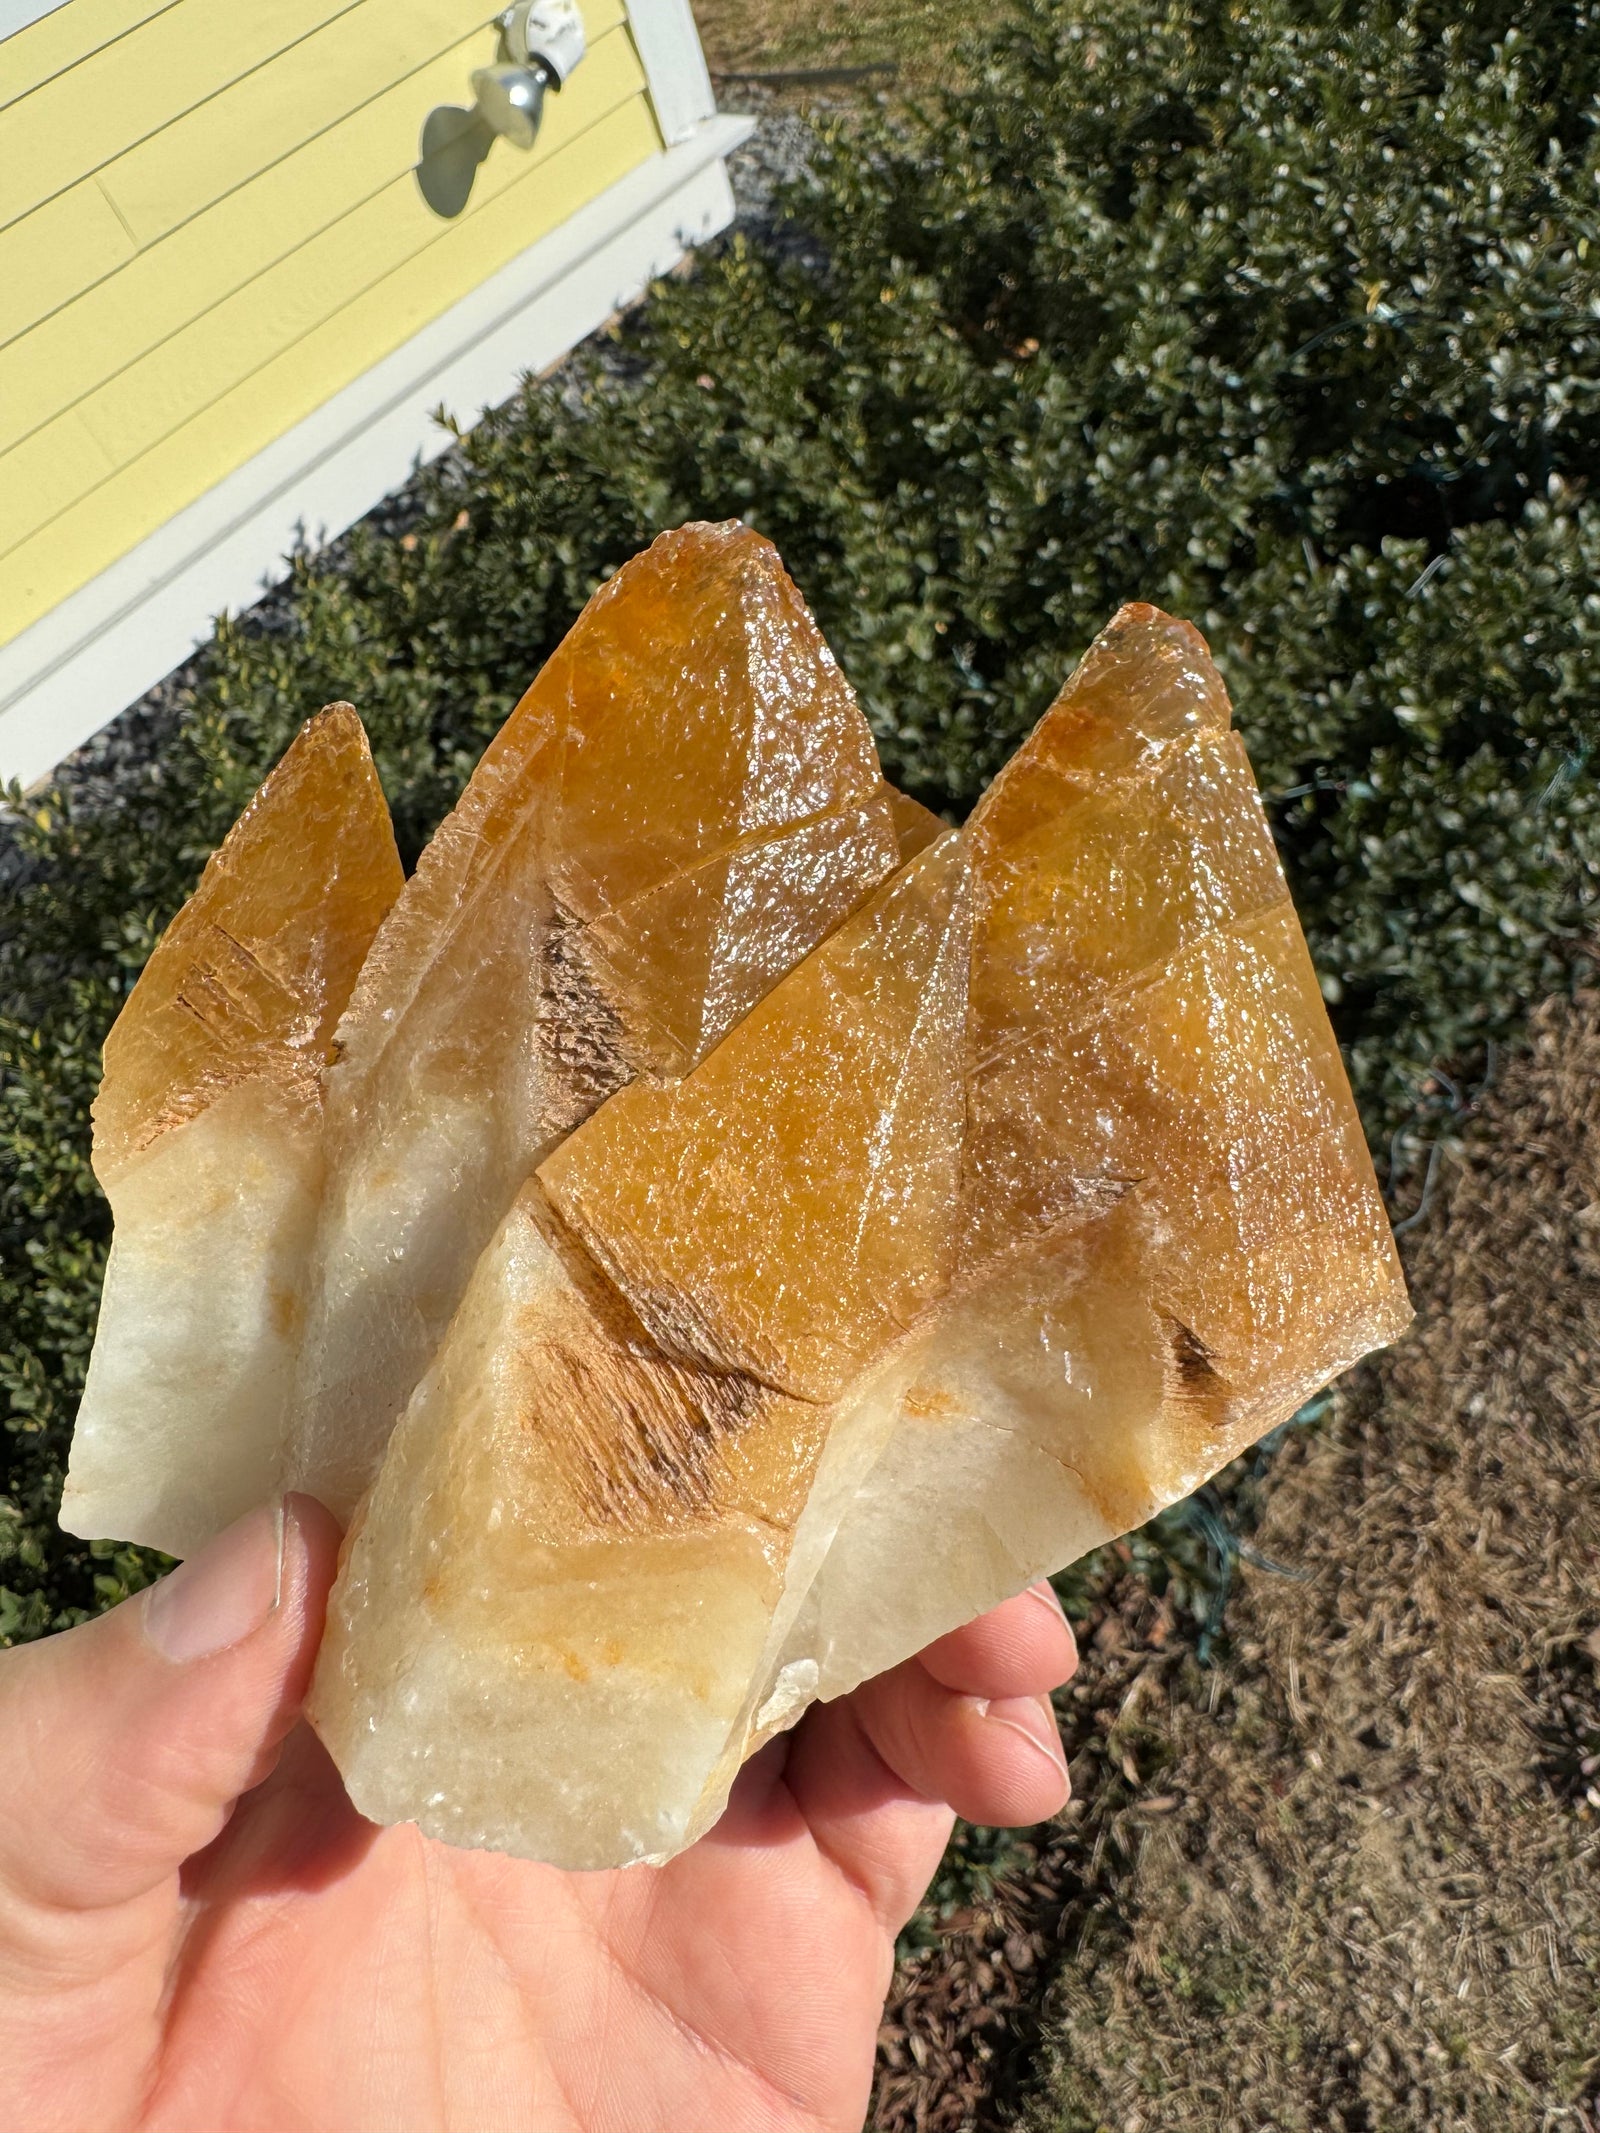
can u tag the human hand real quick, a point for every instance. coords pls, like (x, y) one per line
(198, 1931)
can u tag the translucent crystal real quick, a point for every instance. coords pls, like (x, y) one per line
(483, 1673)
(833, 1115)
(1172, 1236)
(684, 803)
(1024, 1203)
(208, 1141)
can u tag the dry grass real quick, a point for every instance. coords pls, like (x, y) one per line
(961, 2035)
(1375, 1904)
(912, 41)
(1350, 1881)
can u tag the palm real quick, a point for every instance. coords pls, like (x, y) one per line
(737, 1987)
(306, 1969)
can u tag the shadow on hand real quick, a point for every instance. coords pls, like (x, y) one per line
(295, 1831)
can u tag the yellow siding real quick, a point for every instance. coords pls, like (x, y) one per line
(210, 223)
(224, 141)
(56, 251)
(338, 71)
(48, 47)
(125, 92)
(207, 259)
(145, 492)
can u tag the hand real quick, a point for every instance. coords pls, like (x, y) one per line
(198, 1931)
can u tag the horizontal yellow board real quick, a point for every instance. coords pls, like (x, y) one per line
(220, 144)
(94, 112)
(321, 81)
(31, 57)
(151, 398)
(217, 254)
(148, 399)
(67, 459)
(227, 140)
(143, 495)
(56, 252)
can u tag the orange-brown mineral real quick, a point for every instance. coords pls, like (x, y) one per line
(1171, 1235)
(248, 981)
(209, 1142)
(682, 806)
(1038, 1189)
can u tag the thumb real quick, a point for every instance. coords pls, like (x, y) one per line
(124, 1744)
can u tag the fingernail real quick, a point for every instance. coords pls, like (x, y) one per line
(1045, 1593)
(224, 1594)
(1035, 1721)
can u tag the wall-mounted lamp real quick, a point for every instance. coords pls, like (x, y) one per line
(541, 41)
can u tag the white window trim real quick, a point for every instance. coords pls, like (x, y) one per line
(675, 67)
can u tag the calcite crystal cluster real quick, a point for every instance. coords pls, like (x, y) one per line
(748, 1228)
(685, 802)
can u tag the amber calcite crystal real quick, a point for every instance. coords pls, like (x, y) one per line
(833, 1116)
(1031, 1197)
(685, 803)
(562, 1590)
(1171, 1232)
(208, 1142)
(304, 1164)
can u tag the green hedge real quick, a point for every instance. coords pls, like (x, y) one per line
(1281, 314)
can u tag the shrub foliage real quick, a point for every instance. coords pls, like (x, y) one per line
(1282, 313)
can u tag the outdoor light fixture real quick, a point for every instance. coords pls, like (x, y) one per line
(541, 41)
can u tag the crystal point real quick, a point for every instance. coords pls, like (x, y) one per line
(208, 1142)
(685, 802)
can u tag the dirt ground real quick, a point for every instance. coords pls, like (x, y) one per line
(1347, 1881)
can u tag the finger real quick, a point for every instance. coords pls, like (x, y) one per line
(884, 1838)
(1021, 1648)
(994, 1760)
(876, 1775)
(124, 1744)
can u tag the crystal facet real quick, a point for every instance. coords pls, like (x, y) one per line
(685, 802)
(1030, 1198)
(208, 1138)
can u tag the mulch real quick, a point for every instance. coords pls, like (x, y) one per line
(961, 2031)
(1348, 1878)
